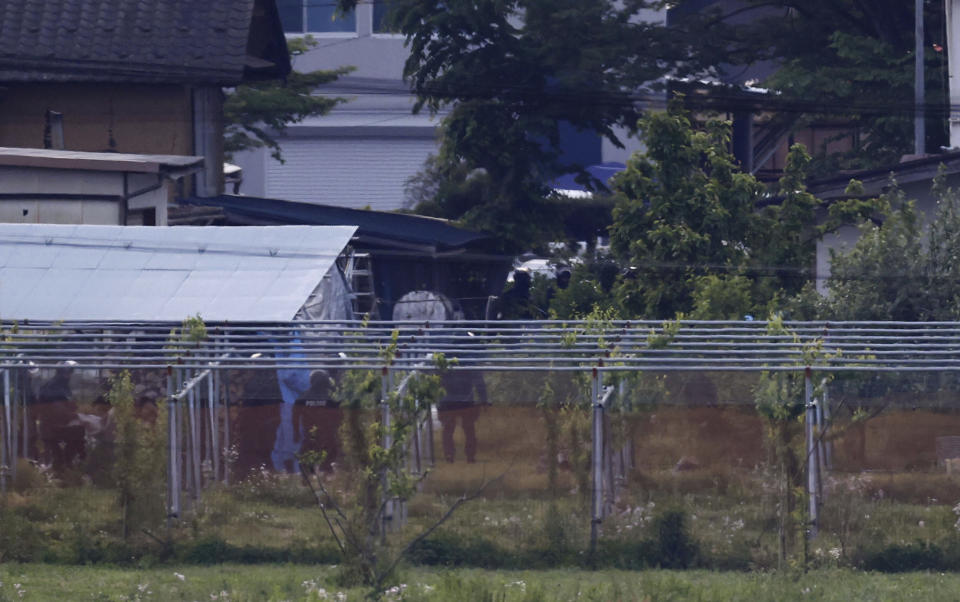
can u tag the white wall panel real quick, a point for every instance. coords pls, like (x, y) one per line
(347, 172)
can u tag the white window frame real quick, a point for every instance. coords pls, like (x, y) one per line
(304, 5)
(363, 20)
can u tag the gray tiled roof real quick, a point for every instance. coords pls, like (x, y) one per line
(127, 40)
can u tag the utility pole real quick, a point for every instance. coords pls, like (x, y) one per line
(919, 128)
(953, 63)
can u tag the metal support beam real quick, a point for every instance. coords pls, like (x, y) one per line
(173, 458)
(386, 387)
(597, 460)
(813, 463)
(919, 94)
(5, 453)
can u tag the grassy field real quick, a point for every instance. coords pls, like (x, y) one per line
(275, 583)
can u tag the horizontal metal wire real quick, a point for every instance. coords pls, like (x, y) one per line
(493, 345)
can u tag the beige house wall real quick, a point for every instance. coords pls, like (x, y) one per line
(147, 119)
(142, 119)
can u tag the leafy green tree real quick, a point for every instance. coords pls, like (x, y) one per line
(377, 452)
(898, 269)
(846, 61)
(140, 457)
(696, 234)
(510, 72)
(255, 113)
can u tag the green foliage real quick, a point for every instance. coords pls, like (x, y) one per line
(702, 237)
(780, 398)
(20, 538)
(896, 270)
(675, 548)
(838, 60)
(900, 558)
(590, 287)
(378, 432)
(191, 334)
(139, 458)
(511, 73)
(255, 113)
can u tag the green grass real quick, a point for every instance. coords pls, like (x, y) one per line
(239, 583)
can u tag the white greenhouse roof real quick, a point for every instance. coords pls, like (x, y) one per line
(145, 273)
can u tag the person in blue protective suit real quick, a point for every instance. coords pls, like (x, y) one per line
(286, 448)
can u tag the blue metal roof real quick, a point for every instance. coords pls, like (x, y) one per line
(601, 171)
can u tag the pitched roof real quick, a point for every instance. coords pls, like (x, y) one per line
(146, 273)
(875, 181)
(382, 228)
(177, 41)
(65, 159)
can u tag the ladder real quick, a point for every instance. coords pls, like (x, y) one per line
(359, 274)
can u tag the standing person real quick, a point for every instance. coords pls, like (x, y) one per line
(316, 418)
(60, 432)
(465, 394)
(515, 301)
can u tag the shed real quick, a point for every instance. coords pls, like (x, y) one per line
(408, 252)
(73, 187)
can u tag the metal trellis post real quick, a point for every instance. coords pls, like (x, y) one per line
(597, 460)
(173, 460)
(386, 386)
(813, 463)
(5, 455)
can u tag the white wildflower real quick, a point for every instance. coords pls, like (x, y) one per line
(521, 584)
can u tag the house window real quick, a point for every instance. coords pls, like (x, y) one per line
(315, 16)
(380, 10)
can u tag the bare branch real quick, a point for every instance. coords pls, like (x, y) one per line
(426, 532)
(323, 508)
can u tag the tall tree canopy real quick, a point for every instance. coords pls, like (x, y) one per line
(846, 61)
(511, 72)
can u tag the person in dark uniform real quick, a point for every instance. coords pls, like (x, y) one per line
(316, 418)
(257, 418)
(465, 394)
(515, 301)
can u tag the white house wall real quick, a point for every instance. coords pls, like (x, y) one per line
(347, 172)
(32, 181)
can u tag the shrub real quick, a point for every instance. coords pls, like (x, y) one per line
(899, 558)
(675, 548)
(20, 539)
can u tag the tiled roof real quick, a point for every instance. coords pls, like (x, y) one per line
(189, 41)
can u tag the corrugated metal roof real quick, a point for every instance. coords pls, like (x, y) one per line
(140, 273)
(65, 159)
(203, 41)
